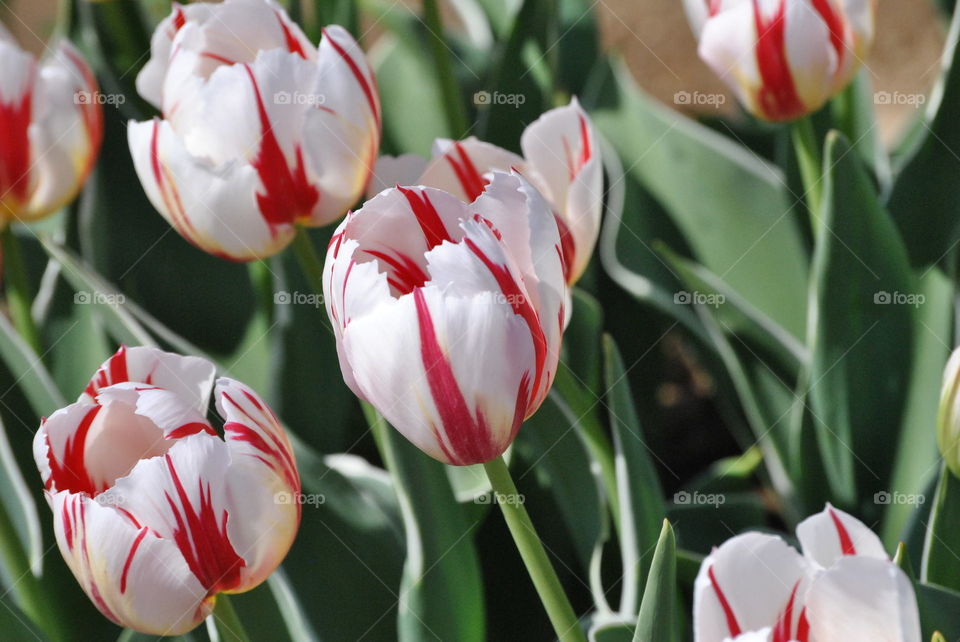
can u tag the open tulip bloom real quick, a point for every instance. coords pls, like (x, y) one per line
(449, 314)
(560, 157)
(154, 512)
(783, 58)
(51, 125)
(260, 132)
(757, 588)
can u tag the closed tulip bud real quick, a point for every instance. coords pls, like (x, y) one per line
(948, 418)
(51, 126)
(448, 315)
(561, 159)
(154, 512)
(260, 130)
(843, 587)
(783, 58)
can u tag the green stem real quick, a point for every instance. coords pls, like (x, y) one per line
(810, 161)
(262, 280)
(18, 289)
(592, 433)
(228, 622)
(310, 262)
(544, 577)
(27, 588)
(452, 101)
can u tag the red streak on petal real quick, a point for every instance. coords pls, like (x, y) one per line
(179, 18)
(90, 110)
(202, 539)
(732, 624)
(217, 57)
(191, 428)
(434, 231)
(15, 149)
(288, 194)
(71, 473)
(279, 451)
(462, 165)
(567, 246)
(293, 45)
(835, 25)
(782, 630)
(846, 543)
(714, 6)
(129, 560)
(369, 90)
(520, 302)
(803, 627)
(405, 274)
(470, 439)
(778, 98)
(67, 526)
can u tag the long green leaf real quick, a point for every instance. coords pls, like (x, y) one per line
(656, 621)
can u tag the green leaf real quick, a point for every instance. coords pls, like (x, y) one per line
(939, 611)
(940, 564)
(442, 591)
(861, 323)
(16, 626)
(640, 497)
(925, 196)
(731, 207)
(656, 620)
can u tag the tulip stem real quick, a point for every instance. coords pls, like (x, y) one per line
(810, 161)
(228, 622)
(544, 577)
(309, 260)
(450, 91)
(18, 289)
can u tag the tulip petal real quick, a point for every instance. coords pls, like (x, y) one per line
(744, 586)
(391, 171)
(462, 167)
(263, 484)
(189, 378)
(135, 578)
(863, 598)
(18, 71)
(831, 534)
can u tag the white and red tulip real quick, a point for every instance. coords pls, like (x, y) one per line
(51, 126)
(260, 132)
(783, 58)
(756, 587)
(948, 419)
(561, 158)
(154, 512)
(449, 314)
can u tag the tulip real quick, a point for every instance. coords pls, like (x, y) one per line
(51, 125)
(560, 158)
(448, 315)
(948, 419)
(261, 131)
(843, 587)
(783, 58)
(154, 512)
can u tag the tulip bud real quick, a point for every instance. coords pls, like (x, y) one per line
(154, 512)
(51, 125)
(260, 132)
(783, 58)
(448, 316)
(561, 159)
(948, 417)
